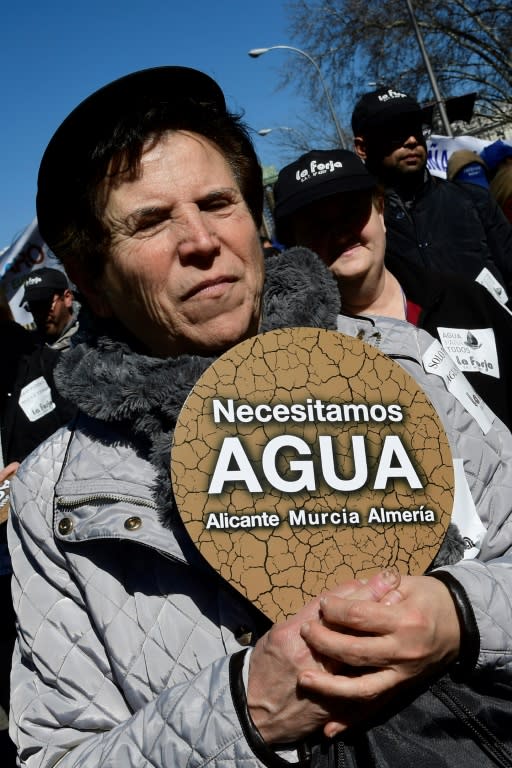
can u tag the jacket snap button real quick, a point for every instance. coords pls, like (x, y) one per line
(65, 526)
(132, 523)
(243, 635)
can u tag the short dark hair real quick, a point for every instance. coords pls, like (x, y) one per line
(85, 151)
(86, 237)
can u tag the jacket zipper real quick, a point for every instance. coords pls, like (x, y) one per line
(487, 742)
(68, 502)
(73, 502)
(336, 754)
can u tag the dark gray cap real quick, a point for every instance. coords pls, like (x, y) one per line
(378, 110)
(316, 175)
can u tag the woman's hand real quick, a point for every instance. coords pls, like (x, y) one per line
(6, 473)
(9, 470)
(279, 709)
(385, 646)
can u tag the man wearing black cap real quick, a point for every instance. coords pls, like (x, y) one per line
(49, 299)
(431, 223)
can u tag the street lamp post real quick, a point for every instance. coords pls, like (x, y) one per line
(255, 52)
(430, 71)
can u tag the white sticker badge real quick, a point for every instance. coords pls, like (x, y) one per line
(473, 349)
(464, 513)
(495, 288)
(437, 360)
(36, 399)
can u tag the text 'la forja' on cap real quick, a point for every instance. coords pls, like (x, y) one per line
(316, 175)
(67, 157)
(379, 109)
(42, 285)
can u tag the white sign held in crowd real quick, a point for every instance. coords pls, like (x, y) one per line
(440, 148)
(28, 252)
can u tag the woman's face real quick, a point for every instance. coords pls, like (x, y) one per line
(347, 232)
(185, 268)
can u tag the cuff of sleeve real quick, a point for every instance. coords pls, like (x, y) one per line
(469, 634)
(261, 749)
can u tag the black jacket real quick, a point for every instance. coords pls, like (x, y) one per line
(455, 302)
(449, 227)
(24, 362)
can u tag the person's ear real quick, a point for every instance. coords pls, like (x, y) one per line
(382, 221)
(360, 148)
(378, 204)
(379, 200)
(68, 298)
(90, 288)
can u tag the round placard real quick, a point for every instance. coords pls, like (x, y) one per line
(303, 458)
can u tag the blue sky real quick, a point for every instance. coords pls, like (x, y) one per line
(53, 54)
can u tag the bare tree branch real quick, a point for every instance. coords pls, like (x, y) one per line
(357, 44)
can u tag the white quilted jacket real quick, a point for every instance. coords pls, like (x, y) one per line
(125, 649)
(487, 580)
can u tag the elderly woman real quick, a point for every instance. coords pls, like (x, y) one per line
(130, 652)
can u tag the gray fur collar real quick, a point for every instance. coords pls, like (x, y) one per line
(141, 396)
(106, 379)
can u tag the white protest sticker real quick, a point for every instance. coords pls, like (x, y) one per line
(4, 513)
(494, 287)
(464, 513)
(36, 399)
(473, 349)
(436, 360)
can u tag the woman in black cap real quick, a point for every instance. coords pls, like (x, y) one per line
(338, 213)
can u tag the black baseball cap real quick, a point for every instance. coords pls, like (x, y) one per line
(42, 285)
(66, 159)
(379, 110)
(316, 175)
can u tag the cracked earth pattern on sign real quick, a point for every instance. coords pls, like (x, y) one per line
(279, 568)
